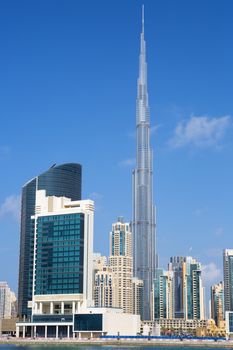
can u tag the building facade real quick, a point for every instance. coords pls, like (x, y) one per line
(61, 180)
(143, 221)
(137, 296)
(121, 264)
(104, 287)
(62, 264)
(193, 290)
(163, 294)
(228, 278)
(7, 301)
(217, 303)
(188, 291)
(176, 267)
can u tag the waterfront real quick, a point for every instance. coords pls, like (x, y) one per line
(99, 345)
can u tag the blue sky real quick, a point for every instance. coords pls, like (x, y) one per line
(68, 73)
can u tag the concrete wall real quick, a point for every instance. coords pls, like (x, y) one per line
(125, 324)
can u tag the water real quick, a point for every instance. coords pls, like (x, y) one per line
(98, 347)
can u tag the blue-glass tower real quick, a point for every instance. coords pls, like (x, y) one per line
(62, 180)
(143, 222)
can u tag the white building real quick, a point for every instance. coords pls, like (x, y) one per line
(93, 322)
(104, 287)
(63, 264)
(7, 301)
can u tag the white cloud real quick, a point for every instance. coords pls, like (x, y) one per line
(153, 130)
(201, 131)
(211, 273)
(95, 196)
(127, 162)
(11, 207)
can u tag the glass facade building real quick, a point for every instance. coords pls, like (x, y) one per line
(176, 265)
(143, 221)
(59, 254)
(193, 290)
(228, 279)
(62, 180)
(160, 294)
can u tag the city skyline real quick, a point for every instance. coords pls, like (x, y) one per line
(192, 126)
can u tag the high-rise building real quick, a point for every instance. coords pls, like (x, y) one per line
(188, 291)
(62, 262)
(61, 180)
(193, 290)
(228, 278)
(143, 221)
(7, 301)
(176, 266)
(137, 286)
(217, 303)
(99, 262)
(163, 294)
(104, 287)
(121, 264)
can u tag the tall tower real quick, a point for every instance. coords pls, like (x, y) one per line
(61, 180)
(120, 261)
(143, 222)
(228, 278)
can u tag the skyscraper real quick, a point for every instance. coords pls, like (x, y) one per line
(62, 263)
(217, 303)
(188, 292)
(228, 278)
(104, 287)
(61, 180)
(120, 261)
(176, 265)
(143, 221)
(137, 286)
(193, 290)
(163, 294)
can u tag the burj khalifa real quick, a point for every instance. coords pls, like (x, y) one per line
(143, 221)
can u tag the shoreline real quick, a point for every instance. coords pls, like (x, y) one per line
(97, 342)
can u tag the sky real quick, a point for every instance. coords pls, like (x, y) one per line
(68, 73)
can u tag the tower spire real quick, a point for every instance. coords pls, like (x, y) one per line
(143, 222)
(143, 19)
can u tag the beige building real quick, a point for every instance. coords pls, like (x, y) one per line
(217, 303)
(104, 287)
(175, 325)
(121, 263)
(99, 261)
(7, 301)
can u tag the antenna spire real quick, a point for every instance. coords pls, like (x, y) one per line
(143, 19)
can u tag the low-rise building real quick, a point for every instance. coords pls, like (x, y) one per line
(93, 322)
(175, 325)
